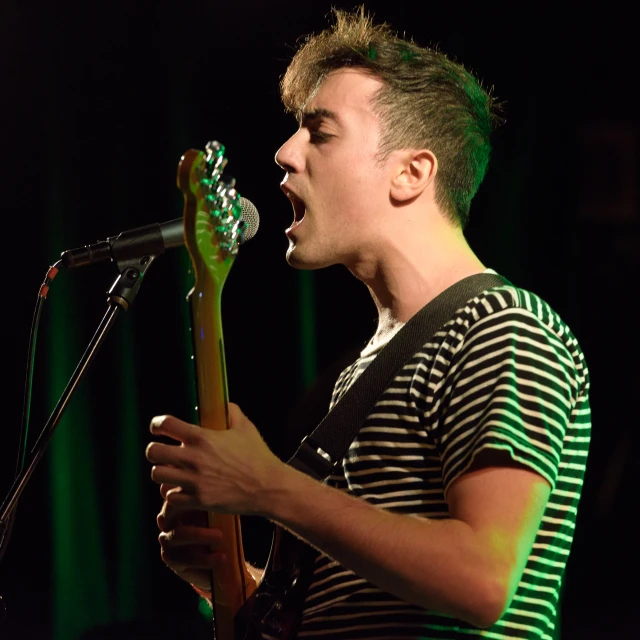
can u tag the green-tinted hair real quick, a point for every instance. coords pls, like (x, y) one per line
(426, 101)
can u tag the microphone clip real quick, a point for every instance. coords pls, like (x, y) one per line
(126, 286)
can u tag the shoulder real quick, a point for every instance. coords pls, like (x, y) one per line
(510, 319)
(514, 303)
(521, 318)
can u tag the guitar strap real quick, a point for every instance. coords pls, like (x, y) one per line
(325, 447)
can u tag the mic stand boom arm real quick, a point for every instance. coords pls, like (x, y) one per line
(121, 296)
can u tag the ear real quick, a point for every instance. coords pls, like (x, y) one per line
(413, 172)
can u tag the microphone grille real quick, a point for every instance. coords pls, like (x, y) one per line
(251, 218)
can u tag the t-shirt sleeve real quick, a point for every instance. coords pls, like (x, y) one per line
(510, 387)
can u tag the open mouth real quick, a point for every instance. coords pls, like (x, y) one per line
(299, 209)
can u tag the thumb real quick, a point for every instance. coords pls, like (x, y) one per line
(237, 419)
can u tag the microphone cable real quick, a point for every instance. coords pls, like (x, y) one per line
(28, 386)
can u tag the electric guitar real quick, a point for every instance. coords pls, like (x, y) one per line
(213, 230)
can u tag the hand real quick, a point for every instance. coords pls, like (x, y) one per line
(228, 471)
(188, 546)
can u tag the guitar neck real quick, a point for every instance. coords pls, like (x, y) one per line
(232, 584)
(208, 346)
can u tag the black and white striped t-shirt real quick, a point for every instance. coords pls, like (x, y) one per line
(504, 373)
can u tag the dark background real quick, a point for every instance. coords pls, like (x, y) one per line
(98, 102)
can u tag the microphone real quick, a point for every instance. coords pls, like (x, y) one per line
(153, 239)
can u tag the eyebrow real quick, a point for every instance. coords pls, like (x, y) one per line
(306, 117)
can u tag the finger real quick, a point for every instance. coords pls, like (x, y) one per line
(182, 499)
(186, 535)
(170, 517)
(175, 428)
(164, 487)
(177, 456)
(181, 478)
(182, 559)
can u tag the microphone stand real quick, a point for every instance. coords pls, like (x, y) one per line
(121, 296)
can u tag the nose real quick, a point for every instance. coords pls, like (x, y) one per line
(289, 155)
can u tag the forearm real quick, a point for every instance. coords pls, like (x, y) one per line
(436, 564)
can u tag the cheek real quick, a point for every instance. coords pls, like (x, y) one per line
(369, 182)
(353, 184)
(360, 174)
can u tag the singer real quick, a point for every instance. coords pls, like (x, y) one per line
(453, 512)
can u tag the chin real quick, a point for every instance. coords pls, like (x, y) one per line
(298, 260)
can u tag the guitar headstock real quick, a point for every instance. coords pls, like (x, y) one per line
(213, 224)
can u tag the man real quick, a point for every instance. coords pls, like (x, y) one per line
(453, 512)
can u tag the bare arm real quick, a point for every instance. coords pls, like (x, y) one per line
(467, 566)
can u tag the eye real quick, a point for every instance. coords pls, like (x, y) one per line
(319, 137)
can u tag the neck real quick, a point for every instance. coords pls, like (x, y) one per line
(412, 269)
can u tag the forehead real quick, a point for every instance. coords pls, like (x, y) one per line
(347, 93)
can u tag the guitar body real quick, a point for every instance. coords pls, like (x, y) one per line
(274, 610)
(213, 229)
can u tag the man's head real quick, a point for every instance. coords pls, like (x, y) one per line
(425, 101)
(339, 188)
